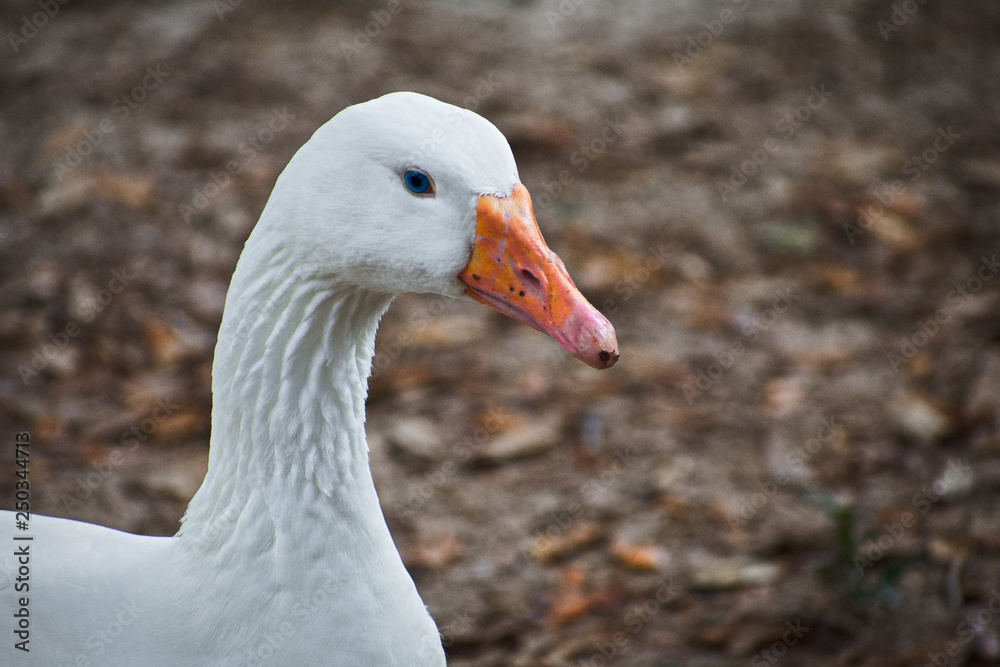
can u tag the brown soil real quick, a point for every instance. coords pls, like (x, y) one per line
(790, 211)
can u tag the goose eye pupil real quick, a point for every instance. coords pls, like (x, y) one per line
(417, 182)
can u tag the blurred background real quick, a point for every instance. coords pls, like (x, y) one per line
(789, 210)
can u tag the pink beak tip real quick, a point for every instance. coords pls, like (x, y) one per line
(589, 336)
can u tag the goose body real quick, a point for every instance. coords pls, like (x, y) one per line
(283, 556)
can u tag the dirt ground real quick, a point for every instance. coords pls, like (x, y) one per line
(789, 210)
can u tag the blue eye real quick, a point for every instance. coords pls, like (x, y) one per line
(418, 182)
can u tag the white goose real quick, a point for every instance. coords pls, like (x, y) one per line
(283, 557)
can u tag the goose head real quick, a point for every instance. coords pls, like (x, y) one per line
(405, 193)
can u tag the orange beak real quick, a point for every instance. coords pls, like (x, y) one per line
(513, 271)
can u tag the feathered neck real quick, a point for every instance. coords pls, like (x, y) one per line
(289, 384)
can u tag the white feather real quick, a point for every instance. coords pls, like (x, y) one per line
(284, 557)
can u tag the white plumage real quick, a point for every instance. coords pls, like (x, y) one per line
(284, 557)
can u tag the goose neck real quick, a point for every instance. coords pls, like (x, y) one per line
(289, 384)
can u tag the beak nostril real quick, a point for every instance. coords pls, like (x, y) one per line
(530, 278)
(532, 284)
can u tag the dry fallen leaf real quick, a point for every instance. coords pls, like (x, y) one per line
(167, 345)
(785, 394)
(891, 228)
(131, 190)
(841, 279)
(548, 549)
(639, 557)
(919, 417)
(436, 555)
(533, 438)
(570, 601)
